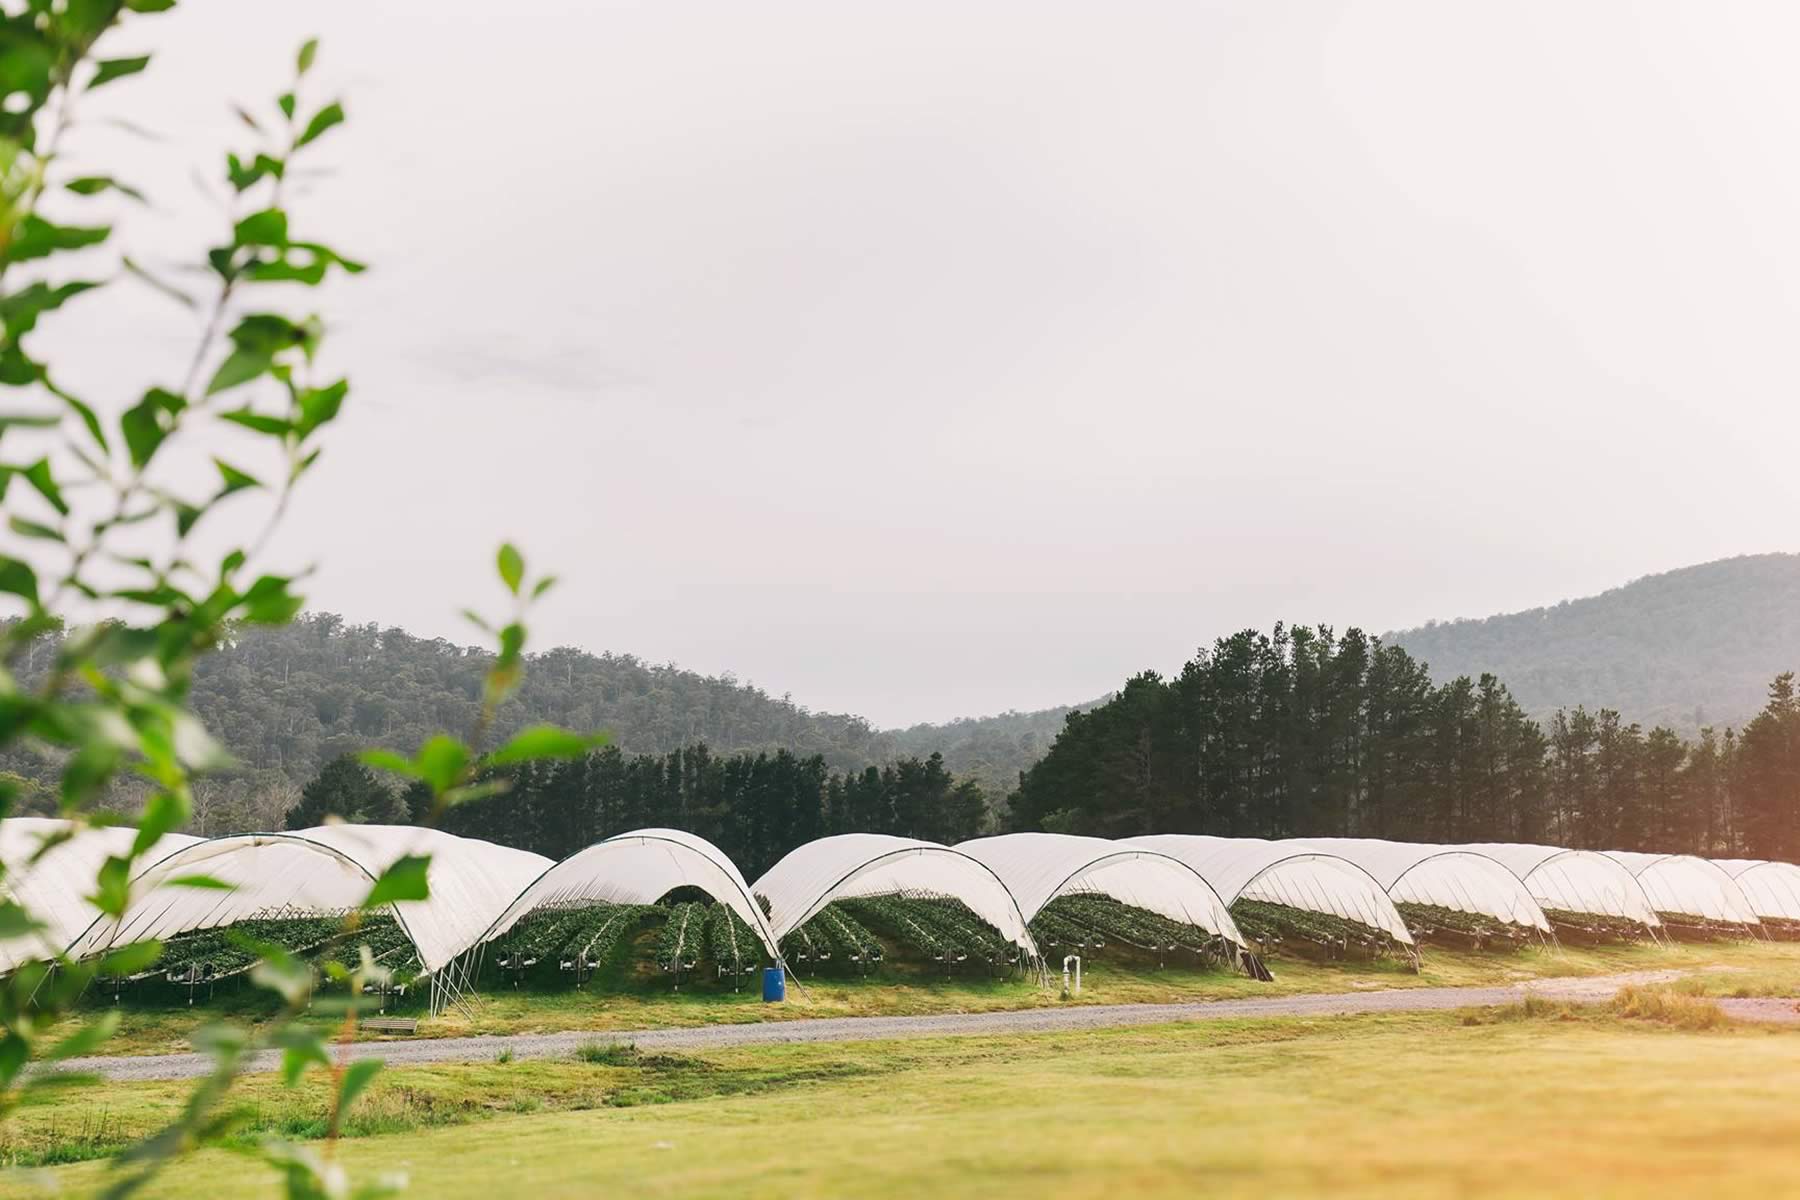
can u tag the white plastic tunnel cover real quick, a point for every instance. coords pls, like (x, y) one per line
(1279, 873)
(327, 869)
(55, 888)
(875, 864)
(1772, 888)
(1690, 886)
(1576, 881)
(1038, 867)
(640, 867)
(1444, 876)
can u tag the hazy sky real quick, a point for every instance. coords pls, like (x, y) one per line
(933, 359)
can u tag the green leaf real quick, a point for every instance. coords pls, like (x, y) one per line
(38, 238)
(272, 426)
(164, 812)
(269, 601)
(21, 310)
(32, 529)
(281, 972)
(18, 579)
(28, 421)
(405, 880)
(441, 762)
(477, 791)
(357, 1076)
(256, 340)
(14, 1051)
(202, 882)
(512, 567)
(301, 1049)
(186, 516)
(16, 921)
(147, 423)
(87, 1039)
(224, 1041)
(149, 6)
(117, 68)
(319, 406)
(113, 886)
(89, 769)
(266, 228)
(129, 960)
(324, 119)
(243, 178)
(39, 476)
(235, 480)
(309, 50)
(543, 585)
(286, 102)
(387, 760)
(88, 418)
(543, 741)
(91, 185)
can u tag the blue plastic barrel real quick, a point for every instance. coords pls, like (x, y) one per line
(774, 985)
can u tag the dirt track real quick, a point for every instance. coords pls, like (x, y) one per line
(1031, 1020)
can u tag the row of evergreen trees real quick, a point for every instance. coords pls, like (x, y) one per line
(1293, 733)
(1305, 733)
(755, 807)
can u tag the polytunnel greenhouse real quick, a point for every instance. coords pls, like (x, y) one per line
(1688, 889)
(1574, 887)
(852, 865)
(1039, 867)
(1279, 873)
(577, 911)
(55, 888)
(1428, 881)
(1772, 888)
(303, 876)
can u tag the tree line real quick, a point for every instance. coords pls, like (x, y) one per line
(755, 807)
(1303, 732)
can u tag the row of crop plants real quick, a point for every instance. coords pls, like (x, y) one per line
(207, 957)
(574, 939)
(1433, 924)
(1276, 928)
(1084, 924)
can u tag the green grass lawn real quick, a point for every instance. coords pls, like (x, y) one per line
(1525, 1101)
(632, 1001)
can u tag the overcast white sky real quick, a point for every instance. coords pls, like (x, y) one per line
(933, 359)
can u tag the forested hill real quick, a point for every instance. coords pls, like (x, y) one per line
(288, 700)
(1684, 649)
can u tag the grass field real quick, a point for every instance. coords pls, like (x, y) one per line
(1759, 968)
(1525, 1101)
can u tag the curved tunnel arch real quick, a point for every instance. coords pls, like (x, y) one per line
(55, 884)
(1039, 867)
(469, 881)
(850, 865)
(1689, 885)
(1281, 873)
(640, 867)
(1577, 881)
(1454, 877)
(1772, 888)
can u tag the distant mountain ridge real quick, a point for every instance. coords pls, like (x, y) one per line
(1690, 647)
(287, 700)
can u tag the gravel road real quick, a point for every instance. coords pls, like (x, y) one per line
(862, 1029)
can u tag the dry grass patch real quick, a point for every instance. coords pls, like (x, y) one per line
(1682, 1004)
